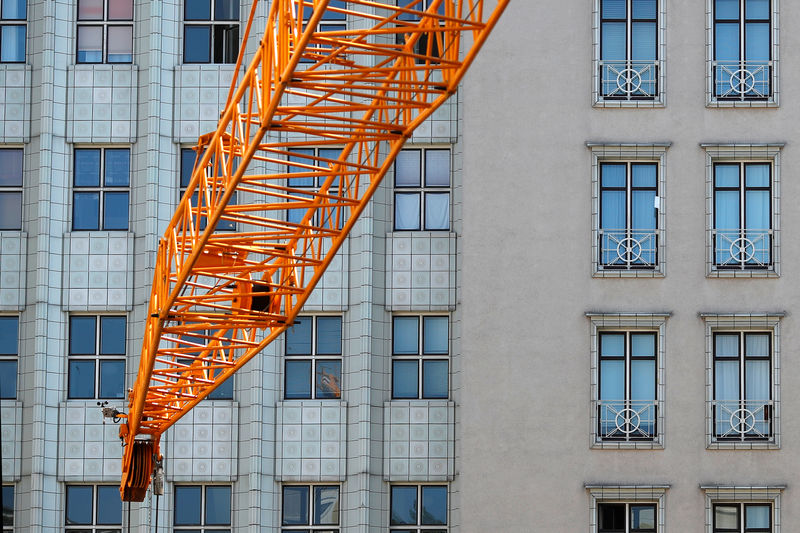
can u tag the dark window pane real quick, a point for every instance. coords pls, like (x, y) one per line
(82, 335)
(295, 506)
(109, 505)
(8, 379)
(112, 379)
(187, 505)
(406, 335)
(226, 10)
(90, 9)
(434, 506)
(10, 210)
(329, 335)
(13, 10)
(120, 9)
(198, 10)
(79, 505)
(10, 167)
(326, 506)
(224, 391)
(407, 168)
(81, 379)
(403, 505)
(87, 167)
(13, 44)
(404, 379)
(643, 517)
(112, 335)
(611, 516)
(9, 335)
(435, 334)
(115, 211)
(218, 506)
(329, 379)
(8, 505)
(226, 43)
(434, 379)
(90, 44)
(86, 211)
(197, 44)
(188, 157)
(298, 379)
(120, 44)
(298, 337)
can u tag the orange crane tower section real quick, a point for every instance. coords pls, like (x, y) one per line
(220, 296)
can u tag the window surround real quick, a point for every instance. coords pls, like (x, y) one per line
(607, 493)
(773, 100)
(742, 494)
(105, 24)
(743, 153)
(644, 322)
(629, 152)
(732, 322)
(661, 47)
(14, 189)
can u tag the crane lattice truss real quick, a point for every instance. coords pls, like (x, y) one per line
(218, 296)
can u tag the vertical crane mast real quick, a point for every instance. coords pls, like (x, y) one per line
(219, 296)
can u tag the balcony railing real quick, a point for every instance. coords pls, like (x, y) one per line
(742, 80)
(741, 420)
(621, 420)
(629, 80)
(742, 248)
(628, 249)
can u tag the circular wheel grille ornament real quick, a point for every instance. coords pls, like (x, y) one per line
(743, 420)
(743, 81)
(627, 421)
(630, 81)
(629, 250)
(742, 250)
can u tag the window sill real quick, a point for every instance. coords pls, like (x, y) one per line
(773, 444)
(723, 104)
(630, 104)
(657, 272)
(656, 444)
(768, 273)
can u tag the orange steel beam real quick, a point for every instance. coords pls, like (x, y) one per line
(219, 297)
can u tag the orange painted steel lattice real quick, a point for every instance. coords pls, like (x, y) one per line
(220, 296)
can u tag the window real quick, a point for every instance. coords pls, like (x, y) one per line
(105, 31)
(628, 63)
(628, 215)
(742, 215)
(331, 21)
(743, 208)
(422, 189)
(13, 31)
(627, 379)
(101, 204)
(10, 189)
(425, 45)
(188, 158)
(97, 357)
(310, 508)
(203, 508)
(627, 509)
(742, 69)
(202, 338)
(743, 509)
(8, 508)
(313, 363)
(627, 403)
(418, 509)
(9, 353)
(210, 31)
(415, 362)
(303, 159)
(93, 509)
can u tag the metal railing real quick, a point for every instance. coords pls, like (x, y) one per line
(628, 249)
(628, 80)
(742, 419)
(742, 248)
(742, 80)
(627, 420)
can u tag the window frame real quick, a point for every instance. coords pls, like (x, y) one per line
(743, 154)
(314, 358)
(96, 357)
(8, 528)
(203, 526)
(309, 526)
(14, 22)
(422, 191)
(604, 494)
(659, 97)
(741, 497)
(309, 156)
(419, 527)
(16, 189)
(94, 526)
(105, 24)
(226, 389)
(101, 189)
(184, 178)
(716, 323)
(630, 154)
(11, 357)
(421, 356)
(712, 100)
(212, 24)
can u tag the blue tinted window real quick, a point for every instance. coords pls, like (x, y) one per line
(644, 9)
(10, 210)
(726, 9)
(9, 335)
(407, 169)
(224, 391)
(226, 10)
(12, 44)
(295, 506)
(197, 10)
(112, 335)
(82, 335)
(86, 211)
(81, 379)
(435, 334)
(302, 156)
(109, 505)
(405, 375)
(79, 505)
(112, 379)
(329, 335)
(298, 379)
(406, 335)
(403, 505)
(218, 505)
(326, 505)
(756, 9)
(115, 211)
(8, 380)
(434, 379)
(8, 505)
(11, 167)
(87, 167)
(406, 211)
(614, 9)
(188, 157)
(118, 167)
(434, 506)
(298, 337)
(197, 44)
(188, 505)
(13, 10)
(328, 379)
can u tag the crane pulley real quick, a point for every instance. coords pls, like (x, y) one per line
(218, 296)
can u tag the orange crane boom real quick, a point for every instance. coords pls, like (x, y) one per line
(218, 296)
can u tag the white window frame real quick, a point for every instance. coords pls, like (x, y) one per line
(643, 322)
(661, 32)
(734, 323)
(773, 100)
(630, 153)
(606, 493)
(744, 153)
(743, 494)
